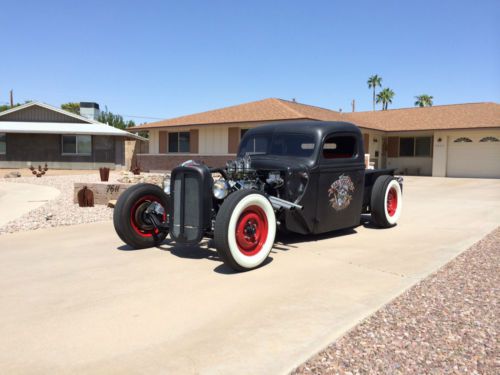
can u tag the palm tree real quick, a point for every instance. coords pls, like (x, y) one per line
(385, 97)
(424, 100)
(374, 82)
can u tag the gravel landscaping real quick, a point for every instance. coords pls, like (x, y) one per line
(446, 324)
(62, 210)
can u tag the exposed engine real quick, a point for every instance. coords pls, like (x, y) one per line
(243, 174)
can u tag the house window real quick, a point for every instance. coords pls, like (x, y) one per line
(340, 147)
(423, 146)
(3, 143)
(489, 139)
(462, 140)
(415, 146)
(407, 146)
(77, 144)
(178, 142)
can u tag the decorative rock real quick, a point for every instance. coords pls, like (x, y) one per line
(150, 178)
(112, 203)
(13, 174)
(445, 324)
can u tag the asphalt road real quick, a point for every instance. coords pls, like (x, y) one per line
(76, 300)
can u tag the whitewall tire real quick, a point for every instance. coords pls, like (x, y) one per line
(245, 229)
(386, 201)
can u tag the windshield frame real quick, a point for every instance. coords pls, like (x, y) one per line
(272, 136)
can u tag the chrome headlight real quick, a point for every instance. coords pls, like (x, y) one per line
(220, 189)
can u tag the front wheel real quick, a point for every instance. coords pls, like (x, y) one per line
(131, 215)
(245, 229)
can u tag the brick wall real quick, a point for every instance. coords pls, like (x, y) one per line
(150, 162)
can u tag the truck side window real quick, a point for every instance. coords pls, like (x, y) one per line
(340, 147)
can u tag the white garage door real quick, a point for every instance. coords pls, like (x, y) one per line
(473, 157)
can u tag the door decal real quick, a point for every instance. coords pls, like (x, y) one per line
(340, 192)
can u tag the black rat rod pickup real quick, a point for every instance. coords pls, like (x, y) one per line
(303, 177)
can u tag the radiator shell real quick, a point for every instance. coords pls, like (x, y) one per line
(191, 197)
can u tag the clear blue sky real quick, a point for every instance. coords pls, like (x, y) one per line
(169, 58)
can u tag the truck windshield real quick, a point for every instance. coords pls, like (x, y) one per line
(299, 145)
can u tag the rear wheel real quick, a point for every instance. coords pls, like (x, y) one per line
(386, 201)
(245, 229)
(132, 224)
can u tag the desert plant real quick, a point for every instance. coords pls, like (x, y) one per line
(40, 171)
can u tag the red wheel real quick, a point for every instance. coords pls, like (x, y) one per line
(251, 230)
(131, 222)
(245, 228)
(138, 219)
(392, 201)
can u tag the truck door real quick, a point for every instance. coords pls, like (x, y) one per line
(341, 182)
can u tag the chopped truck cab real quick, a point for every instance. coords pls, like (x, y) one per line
(304, 177)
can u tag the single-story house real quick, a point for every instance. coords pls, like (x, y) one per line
(461, 140)
(37, 133)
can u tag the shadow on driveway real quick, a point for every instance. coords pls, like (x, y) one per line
(206, 248)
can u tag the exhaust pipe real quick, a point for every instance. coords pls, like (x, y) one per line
(278, 203)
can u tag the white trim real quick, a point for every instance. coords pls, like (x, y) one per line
(64, 128)
(51, 108)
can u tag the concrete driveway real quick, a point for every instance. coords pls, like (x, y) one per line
(16, 199)
(74, 299)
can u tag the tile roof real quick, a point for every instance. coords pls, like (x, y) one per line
(271, 109)
(441, 117)
(456, 116)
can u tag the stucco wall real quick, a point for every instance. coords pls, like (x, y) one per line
(213, 139)
(421, 166)
(375, 146)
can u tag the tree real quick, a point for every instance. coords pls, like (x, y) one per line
(7, 106)
(374, 82)
(116, 121)
(385, 97)
(71, 107)
(424, 100)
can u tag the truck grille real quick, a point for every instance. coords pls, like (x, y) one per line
(191, 194)
(186, 217)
